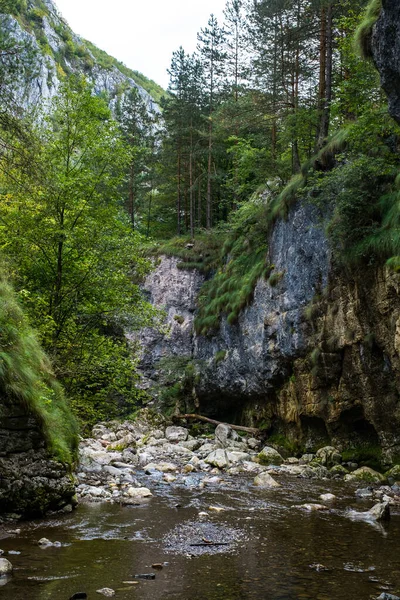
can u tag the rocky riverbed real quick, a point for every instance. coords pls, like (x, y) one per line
(123, 462)
(163, 514)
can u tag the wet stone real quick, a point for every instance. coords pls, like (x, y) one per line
(195, 538)
(107, 592)
(5, 566)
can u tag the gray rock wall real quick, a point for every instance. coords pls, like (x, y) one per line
(270, 332)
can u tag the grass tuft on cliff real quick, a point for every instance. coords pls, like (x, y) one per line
(243, 261)
(26, 377)
(363, 35)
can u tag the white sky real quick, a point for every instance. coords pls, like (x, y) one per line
(141, 33)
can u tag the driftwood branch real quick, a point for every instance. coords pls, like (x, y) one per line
(203, 544)
(251, 430)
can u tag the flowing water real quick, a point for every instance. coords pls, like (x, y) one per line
(272, 549)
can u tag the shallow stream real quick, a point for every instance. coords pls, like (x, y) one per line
(270, 547)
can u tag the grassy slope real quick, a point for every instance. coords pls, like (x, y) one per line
(26, 377)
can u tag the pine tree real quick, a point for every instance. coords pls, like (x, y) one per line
(211, 49)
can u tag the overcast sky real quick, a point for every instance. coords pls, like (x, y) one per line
(141, 33)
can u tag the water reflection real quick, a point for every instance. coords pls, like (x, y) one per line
(282, 552)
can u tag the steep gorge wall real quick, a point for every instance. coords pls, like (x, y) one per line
(315, 358)
(47, 70)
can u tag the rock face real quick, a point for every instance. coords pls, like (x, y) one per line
(46, 81)
(315, 358)
(386, 53)
(272, 331)
(31, 483)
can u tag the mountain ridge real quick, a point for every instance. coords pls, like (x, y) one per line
(61, 52)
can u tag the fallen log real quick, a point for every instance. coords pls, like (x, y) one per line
(251, 430)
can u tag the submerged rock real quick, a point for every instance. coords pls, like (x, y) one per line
(265, 480)
(327, 497)
(107, 592)
(314, 507)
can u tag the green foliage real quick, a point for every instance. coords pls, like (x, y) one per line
(282, 443)
(202, 253)
(15, 7)
(365, 455)
(275, 278)
(220, 356)
(77, 259)
(26, 377)
(176, 377)
(363, 34)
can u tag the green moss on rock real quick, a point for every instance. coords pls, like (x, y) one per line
(26, 377)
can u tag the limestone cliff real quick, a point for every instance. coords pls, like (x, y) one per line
(58, 51)
(314, 359)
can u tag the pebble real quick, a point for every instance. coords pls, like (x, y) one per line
(44, 542)
(145, 576)
(327, 497)
(107, 592)
(314, 507)
(216, 509)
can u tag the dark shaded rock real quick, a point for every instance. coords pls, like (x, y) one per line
(31, 482)
(79, 596)
(145, 576)
(386, 53)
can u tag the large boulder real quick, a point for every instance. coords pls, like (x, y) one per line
(176, 434)
(328, 456)
(365, 474)
(222, 434)
(270, 456)
(218, 458)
